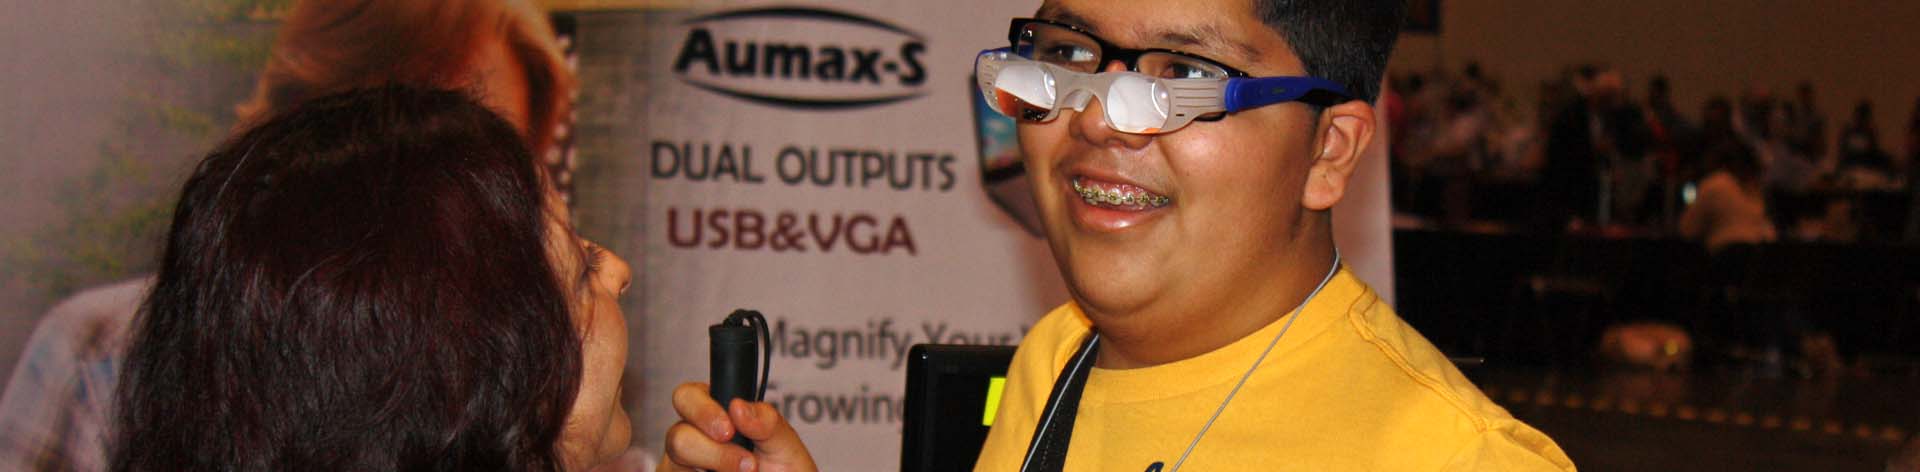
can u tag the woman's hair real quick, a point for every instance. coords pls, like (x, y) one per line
(326, 47)
(1738, 160)
(360, 283)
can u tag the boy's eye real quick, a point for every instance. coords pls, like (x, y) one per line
(1182, 71)
(1066, 54)
(1172, 66)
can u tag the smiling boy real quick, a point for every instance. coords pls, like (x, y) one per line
(1227, 336)
(1185, 156)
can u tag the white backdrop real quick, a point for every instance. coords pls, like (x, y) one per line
(935, 261)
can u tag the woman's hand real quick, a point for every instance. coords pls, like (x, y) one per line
(700, 441)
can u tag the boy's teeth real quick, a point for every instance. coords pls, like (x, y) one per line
(1118, 195)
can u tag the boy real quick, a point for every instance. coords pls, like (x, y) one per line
(1211, 326)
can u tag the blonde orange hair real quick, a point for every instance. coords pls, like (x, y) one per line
(331, 46)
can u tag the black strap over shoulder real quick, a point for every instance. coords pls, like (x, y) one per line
(1048, 450)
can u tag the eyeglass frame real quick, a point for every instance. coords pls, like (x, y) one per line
(1243, 90)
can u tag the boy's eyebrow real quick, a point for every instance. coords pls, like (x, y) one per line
(1063, 15)
(1209, 35)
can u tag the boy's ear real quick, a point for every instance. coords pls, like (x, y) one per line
(1346, 128)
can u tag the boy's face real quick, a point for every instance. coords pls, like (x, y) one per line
(1235, 185)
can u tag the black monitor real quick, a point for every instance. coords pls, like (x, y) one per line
(952, 393)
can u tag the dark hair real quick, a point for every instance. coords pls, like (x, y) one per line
(1345, 41)
(1737, 159)
(360, 283)
(1588, 71)
(1658, 85)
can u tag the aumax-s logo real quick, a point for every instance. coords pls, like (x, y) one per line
(798, 57)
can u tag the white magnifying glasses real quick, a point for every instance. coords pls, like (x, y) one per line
(1036, 91)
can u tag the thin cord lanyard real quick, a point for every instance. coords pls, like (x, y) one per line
(1047, 451)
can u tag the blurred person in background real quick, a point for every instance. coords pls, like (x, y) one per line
(1837, 222)
(1912, 164)
(1716, 130)
(1667, 135)
(1806, 128)
(1455, 145)
(1862, 161)
(445, 317)
(1591, 144)
(1764, 124)
(1731, 205)
(1787, 168)
(55, 407)
(1663, 115)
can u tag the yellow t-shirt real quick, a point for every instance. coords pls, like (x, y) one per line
(1349, 387)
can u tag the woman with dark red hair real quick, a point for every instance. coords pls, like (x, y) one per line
(378, 280)
(501, 52)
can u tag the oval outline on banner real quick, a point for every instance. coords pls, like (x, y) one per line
(753, 78)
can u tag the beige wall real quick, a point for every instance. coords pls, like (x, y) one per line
(1849, 49)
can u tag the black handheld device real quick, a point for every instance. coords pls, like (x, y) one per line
(733, 345)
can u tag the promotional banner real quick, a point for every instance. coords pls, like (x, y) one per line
(817, 163)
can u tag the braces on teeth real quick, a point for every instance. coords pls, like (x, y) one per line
(1096, 195)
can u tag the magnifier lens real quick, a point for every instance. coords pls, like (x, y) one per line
(1137, 104)
(1024, 91)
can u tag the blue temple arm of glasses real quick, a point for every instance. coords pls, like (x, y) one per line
(1245, 93)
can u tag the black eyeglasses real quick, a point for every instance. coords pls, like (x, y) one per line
(1076, 49)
